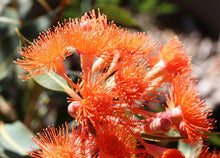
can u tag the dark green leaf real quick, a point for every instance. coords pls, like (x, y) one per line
(167, 8)
(85, 5)
(8, 47)
(73, 10)
(118, 15)
(115, 2)
(214, 139)
(147, 5)
(6, 66)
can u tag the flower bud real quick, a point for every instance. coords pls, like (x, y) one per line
(173, 153)
(158, 125)
(73, 108)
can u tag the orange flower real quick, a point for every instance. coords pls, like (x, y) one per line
(205, 153)
(188, 111)
(172, 59)
(92, 37)
(58, 143)
(175, 57)
(130, 84)
(45, 54)
(98, 101)
(90, 34)
(114, 140)
(134, 43)
(125, 43)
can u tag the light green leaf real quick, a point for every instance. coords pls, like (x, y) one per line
(24, 8)
(3, 3)
(2, 153)
(173, 132)
(187, 149)
(52, 81)
(16, 137)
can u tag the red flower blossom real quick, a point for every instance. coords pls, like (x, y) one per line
(58, 143)
(175, 57)
(205, 153)
(134, 43)
(98, 102)
(130, 84)
(90, 34)
(191, 117)
(171, 60)
(114, 140)
(45, 54)
(92, 37)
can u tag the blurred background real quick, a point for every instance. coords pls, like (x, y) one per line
(27, 108)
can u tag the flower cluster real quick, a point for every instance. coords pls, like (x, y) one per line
(123, 75)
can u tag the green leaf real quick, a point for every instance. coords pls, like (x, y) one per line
(85, 5)
(72, 10)
(167, 8)
(2, 153)
(52, 81)
(115, 2)
(9, 20)
(214, 139)
(3, 3)
(24, 9)
(147, 5)
(187, 149)
(16, 138)
(118, 15)
(8, 47)
(6, 66)
(173, 132)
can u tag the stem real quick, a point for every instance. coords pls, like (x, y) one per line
(72, 84)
